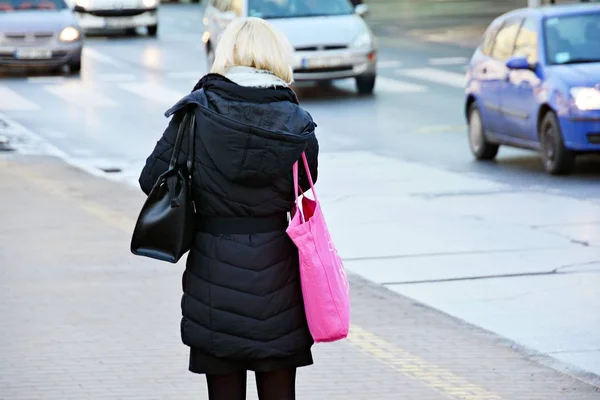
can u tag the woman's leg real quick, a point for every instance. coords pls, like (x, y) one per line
(227, 387)
(276, 385)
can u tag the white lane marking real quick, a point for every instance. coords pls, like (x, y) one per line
(181, 37)
(116, 77)
(100, 57)
(154, 92)
(185, 75)
(53, 134)
(76, 93)
(396, 86)
(25, 141)
(389, 64)
(12, 101)
(80, 152)
(46, 79)
(448, 61)
(435, 75)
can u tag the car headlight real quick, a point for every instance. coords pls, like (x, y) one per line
(69, 34)
(362, 41)
(149, 3)
(586, 98)
(83, 3)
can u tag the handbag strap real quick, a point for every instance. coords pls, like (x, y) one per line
(177, 147)
(185, 126)
(308, 175)
(191, 144)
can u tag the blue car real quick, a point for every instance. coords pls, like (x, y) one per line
(534, 83)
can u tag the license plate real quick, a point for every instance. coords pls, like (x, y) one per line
(324, 62)
(33, 54)
(118, 22)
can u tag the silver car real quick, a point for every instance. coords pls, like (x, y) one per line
(330, 37)
(39, 33)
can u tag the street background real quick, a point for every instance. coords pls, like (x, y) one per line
(502, 246)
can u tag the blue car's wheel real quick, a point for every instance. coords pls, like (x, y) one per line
(481, 148)
(558, 160)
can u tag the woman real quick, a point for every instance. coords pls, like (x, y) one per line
(242, 304)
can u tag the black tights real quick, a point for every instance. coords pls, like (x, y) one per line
(274, 385)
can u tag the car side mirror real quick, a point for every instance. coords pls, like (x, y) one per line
(518, 62)
(362, 10)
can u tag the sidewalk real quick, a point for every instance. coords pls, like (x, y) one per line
(84, 319)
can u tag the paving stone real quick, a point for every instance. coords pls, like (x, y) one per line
(84, 319)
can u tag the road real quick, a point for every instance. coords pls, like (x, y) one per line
(501, 245)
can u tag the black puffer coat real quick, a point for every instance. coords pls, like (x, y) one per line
(242, 297)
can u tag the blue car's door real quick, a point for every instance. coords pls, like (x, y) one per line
(492, 72)
(518, 99)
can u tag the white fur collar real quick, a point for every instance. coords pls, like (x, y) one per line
(252, 77)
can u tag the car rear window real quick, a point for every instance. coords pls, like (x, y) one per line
(26, 5)
(573, 39)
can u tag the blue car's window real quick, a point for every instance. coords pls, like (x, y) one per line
(526, 44)
(488, 40)
(505, 40)
(298, 8)
(28, 5)
(573, 39)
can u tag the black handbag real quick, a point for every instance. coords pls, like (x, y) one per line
(166, 225)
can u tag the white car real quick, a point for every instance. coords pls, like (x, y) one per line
(102, 15)
(330, 37)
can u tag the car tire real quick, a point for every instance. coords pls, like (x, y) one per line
(557, 159)
(75, 67)
(152, 30)
(365, 84)
(481, 147)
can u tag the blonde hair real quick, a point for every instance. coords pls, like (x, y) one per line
(253, 42)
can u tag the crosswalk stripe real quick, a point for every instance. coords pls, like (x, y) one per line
(98, 56)
(154, 92)
(448, 61)
(116, 77)
(46, 79)
(76, 93)
(12, 101)
(396, 86)
(194, 75)
(435, 75)
(388, 64)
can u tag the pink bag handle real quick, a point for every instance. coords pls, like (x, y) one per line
(296, 183)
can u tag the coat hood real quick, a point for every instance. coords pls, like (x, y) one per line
(253, 135)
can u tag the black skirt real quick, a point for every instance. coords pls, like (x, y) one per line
(202, 363)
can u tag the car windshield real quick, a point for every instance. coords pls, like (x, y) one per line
(29, 5)
(298, 8)
(573, 39)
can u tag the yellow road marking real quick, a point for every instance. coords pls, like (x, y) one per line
(410, 365)
(431, 375)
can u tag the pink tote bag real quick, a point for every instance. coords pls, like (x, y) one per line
(325, 287)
